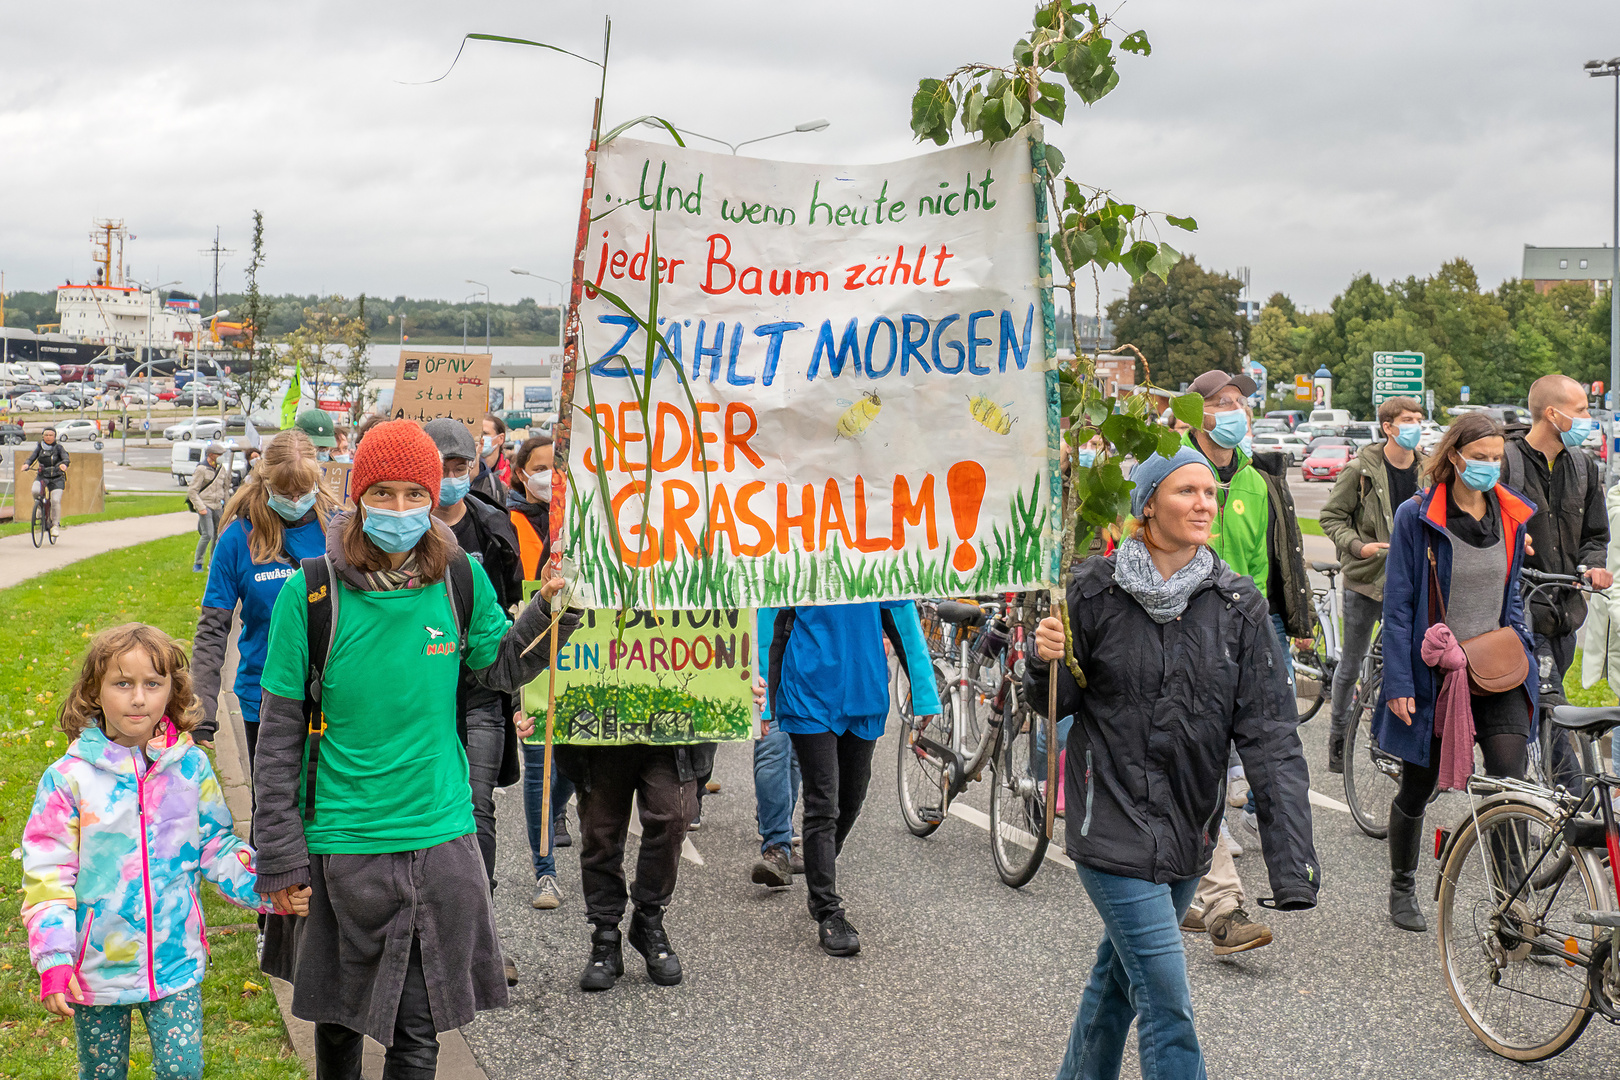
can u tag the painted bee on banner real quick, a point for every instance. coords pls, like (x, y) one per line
(859, 416)
(990, 414)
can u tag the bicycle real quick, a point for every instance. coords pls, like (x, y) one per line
(1543, 758)
(40, 526)
(1530, 929)
(943, 754)
(1371, 775)
(1321, 659)
(1018, 835)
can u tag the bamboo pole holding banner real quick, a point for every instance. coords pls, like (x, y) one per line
(562, 430)
(1043, 256)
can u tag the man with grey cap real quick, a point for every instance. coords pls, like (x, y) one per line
(210, 483)
(484, 716)
(1238, 536)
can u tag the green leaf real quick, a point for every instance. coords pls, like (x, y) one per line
(1162, 261)
(1068, 393)
(1189, 409)
(1023, 53)
(1054, 156)
(992, 125)
(932, 110)
(972, 108)
(1182, 222)
(1136, 42)
(1045, 16)
(1169, 442)
(1119, 429)
(1096, 412)
(1073, 197)
(1012, 109)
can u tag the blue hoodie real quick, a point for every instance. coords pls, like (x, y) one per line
(827, 668)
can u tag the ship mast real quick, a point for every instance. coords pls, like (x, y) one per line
(106, 230)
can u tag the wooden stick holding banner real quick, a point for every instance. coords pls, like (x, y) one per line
(562, 431)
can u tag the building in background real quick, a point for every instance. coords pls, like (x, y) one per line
(1549, 266)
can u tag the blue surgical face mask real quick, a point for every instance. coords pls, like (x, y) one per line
(1579, 428)
(396, 531)
(291, 509)
(1230, 427)
(1246, 444)
(323, 454)
(1481, 475)
(452, 489)
(1085, 457)
(489, 445)
(1409, 435)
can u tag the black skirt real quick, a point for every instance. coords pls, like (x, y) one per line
(1507, 713)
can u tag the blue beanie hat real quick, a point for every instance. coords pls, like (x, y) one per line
(1150, 472)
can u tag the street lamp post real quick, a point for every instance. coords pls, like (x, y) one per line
(560, 288)
(1610, 69)
(808, 125)
(150, 296)
(481, 285)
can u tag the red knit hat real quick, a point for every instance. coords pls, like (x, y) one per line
(397, 450)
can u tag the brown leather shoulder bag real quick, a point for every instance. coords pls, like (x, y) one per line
(1496, 659)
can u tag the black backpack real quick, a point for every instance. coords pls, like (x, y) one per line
(321, 595)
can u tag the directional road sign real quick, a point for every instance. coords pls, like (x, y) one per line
(1396, 374)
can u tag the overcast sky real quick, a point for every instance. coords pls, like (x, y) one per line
(1311, 140)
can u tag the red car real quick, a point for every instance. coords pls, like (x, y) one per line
(1326, 462)
(167, 395)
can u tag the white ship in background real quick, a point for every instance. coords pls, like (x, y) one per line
(116, 311)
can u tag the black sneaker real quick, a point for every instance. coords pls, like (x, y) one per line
(511, 971)
(838, 937)
(697, 821)
(606, 964)
(774, 868)
(647, 937)
(559, 832)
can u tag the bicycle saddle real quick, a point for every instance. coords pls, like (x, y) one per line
(1325, 567)
(960, 614)
(1592, 722)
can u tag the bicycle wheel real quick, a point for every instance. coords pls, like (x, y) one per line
(1518, 976)
(1017, 811)
(984, 679)
(1371, 776)
(923, 767)
(37, 526)
(1312, 672)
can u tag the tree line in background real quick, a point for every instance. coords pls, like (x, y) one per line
(436, 319)
(1495, 342)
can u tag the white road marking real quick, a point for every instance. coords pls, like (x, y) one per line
(982, 820)
(1318, 799)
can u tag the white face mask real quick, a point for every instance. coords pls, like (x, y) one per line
(538, 485)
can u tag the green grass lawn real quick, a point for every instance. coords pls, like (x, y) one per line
(1311, 527)
(45, 625)
(117, 506)
(1598, 696)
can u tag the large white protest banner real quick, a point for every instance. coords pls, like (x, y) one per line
(866, 404)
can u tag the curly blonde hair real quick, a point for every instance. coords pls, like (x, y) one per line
(81, 708)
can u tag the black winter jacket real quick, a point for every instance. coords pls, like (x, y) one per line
(1146, 777)
(1568, 530)
(499, 555)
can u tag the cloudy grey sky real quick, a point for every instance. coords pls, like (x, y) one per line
(1311, 140)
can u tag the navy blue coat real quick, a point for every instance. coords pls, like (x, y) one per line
(1419, 522)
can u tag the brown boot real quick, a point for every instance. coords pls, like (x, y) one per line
(1234, 932)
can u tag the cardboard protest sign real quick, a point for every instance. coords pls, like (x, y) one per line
(335, 479)
(428, 385)
(852, 400)
(688, 678)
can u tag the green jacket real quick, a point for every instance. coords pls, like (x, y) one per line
(1358, 511)
(1239, 533)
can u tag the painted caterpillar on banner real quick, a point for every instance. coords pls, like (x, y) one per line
(797, 431)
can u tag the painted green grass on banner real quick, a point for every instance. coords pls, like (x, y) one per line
(1011, 557)
(617, 713)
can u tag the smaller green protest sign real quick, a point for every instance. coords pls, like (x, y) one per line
(672, 677)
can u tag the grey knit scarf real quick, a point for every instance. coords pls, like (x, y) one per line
(1162, 599)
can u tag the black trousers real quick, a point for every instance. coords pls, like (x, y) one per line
(835, 771)
(415, 1053)
(667, 804)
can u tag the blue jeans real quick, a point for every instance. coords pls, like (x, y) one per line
(534, 761)
(1287, 645)
(1038, 763)
(1141, 975)
(776, 788)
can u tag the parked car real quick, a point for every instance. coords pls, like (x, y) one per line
(204, 427)
(1326, 462)
(77, 428)
(235, 422)
(12, 434)
(1292, 417)
(134, 395)
(167, 395)
(1359, 434)
(17, 390)
(1333, 418)
(197, 394)
(1284, 443)
(1271, 427)
(186, 456)
(34, 401)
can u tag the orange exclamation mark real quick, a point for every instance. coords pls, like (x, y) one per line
(964, 483)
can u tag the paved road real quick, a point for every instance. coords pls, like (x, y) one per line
(963, 977)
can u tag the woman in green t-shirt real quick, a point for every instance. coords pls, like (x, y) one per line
(400, 899)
